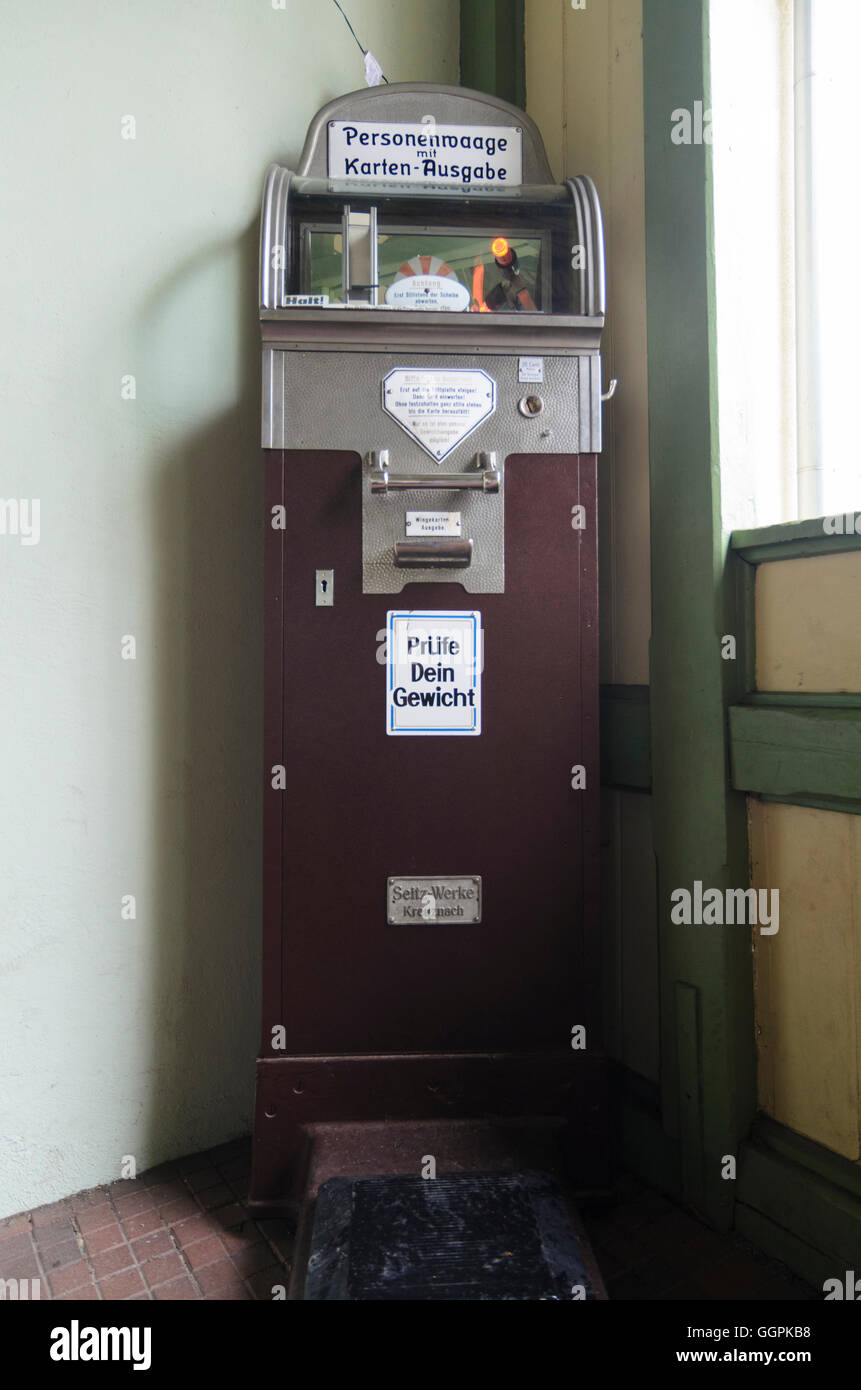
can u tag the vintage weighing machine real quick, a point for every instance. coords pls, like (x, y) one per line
(431, 307)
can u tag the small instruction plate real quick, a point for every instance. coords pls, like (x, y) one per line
(433, 900)
(434, 524)
(530, 369)
(305, 301)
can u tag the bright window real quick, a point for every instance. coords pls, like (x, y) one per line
(788, 293)
(829, 442)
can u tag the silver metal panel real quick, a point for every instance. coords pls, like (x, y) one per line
(297, 395)
(412, 101)
(273, 396)
(590, 405)
(384, 527)
(301, 415)
(388, 330)
(445, 899)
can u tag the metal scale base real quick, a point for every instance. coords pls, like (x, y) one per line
(497, 1224)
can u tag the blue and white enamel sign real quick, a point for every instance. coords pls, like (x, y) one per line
(433, 673)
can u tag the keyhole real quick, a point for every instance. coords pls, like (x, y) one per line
(324, 591)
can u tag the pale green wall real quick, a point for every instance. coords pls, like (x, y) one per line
(143, 776)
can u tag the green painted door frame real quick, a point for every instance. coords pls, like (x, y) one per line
(492, 52)
(708, 1067)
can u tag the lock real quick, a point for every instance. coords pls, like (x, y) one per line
(324, 588)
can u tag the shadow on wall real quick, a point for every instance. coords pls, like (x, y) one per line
(207, 668)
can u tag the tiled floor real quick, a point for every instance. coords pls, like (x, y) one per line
(180, 1232)
(176, 1232)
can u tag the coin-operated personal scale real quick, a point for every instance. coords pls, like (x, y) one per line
(431, 310)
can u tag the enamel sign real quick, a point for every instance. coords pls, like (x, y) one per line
(433, 673)
(438, 409)
(428, 292)
(424, 152)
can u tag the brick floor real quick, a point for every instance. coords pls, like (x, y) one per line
(180, 1231)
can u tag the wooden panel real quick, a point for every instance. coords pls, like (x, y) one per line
(808, 989)
(584, 88)
(801, 752)
(491, 48)
(807, 634)
(640, 974)
(630, 932)
(793, 540)
(626, 751)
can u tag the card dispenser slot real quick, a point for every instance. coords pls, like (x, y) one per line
(433, 551)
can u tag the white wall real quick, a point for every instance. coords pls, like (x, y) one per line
(141, 777)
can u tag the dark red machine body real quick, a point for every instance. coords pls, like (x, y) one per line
(437, 1020)
(369, 1020)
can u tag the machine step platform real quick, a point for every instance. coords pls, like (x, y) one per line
(460, 1236)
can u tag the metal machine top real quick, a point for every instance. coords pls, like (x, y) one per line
(443, 183)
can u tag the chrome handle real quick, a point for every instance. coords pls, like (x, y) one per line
(487, 477)
(445, 554)
(383, 481)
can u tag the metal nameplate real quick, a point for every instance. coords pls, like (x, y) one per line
(446, 898)
(434, 524)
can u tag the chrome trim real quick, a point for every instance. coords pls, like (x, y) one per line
(405, 330)
(274, 231)
(345, 253)
(590, 233)
(383, 482)
(374, 293)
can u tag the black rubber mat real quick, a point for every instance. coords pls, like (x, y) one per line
(477, 1236)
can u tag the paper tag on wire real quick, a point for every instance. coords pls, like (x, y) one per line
(373, 71)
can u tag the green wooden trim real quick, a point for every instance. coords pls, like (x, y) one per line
(844, 806)
(688, 1042)
(804, 699)
(643, 1146)
(780, 1244)
(700, 823)
(794, 540)
(834, 1168)
(745, 599)
(792, 1206)
(492, 48)
(626, 744)
(803, 752)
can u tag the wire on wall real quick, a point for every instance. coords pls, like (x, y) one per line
(373, 71)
